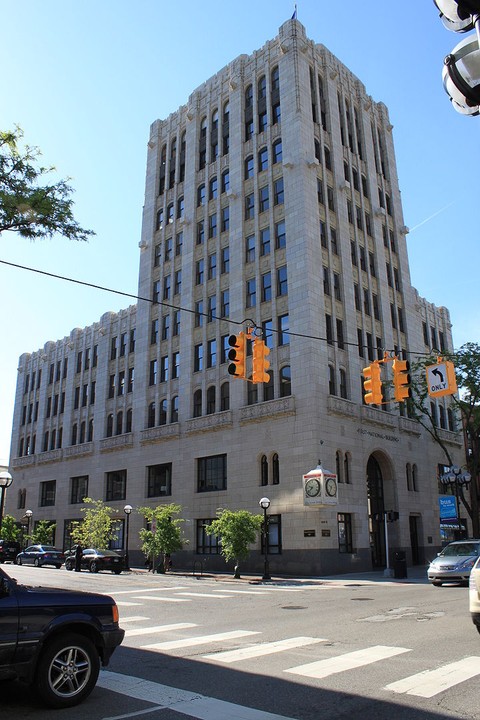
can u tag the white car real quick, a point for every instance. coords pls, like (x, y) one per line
(454, 563)
(474, 594)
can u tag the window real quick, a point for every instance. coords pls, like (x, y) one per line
(249, 167)
(265, 241)
(250, 248)
(199, 313)
(131, 347)
(249, 207)
(212, 473)
(198, 358)
(119, 427)
(200, 232)
(197, 403)
(225, 267)
(109, 431)
(213, 188)
(116, 485)
(277, 151)
(153, 372)
(275, 469)
(332, 388)
(266, 287)
(283, 328)
(206, 544)
(285, 381)
(211, 400)
(165, 327)
(264, 470)
(274, 536)
(225, 219)
(162, 415)
(111, 389)
(177, 289)
(344, 525)
(225, 304)
(225, 181)
(212, 308)
(174, 409)
(178, 244)
(167, 286)
(47, 493)
(168, 249)
(212, 225)
(282, 284)
(251, 294)
(280, 236)
(151, 415)
(199, 272)
(262, 159)
(225, 396)
(159, 480)
(164, 369)
(212, 266)
(263, 199)
(278, 194)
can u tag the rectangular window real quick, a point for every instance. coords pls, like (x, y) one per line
(266, 287)
(225, 304)
(344, 524)
(263, 199)
(111, 387)
(178, 244)
(200, 232)
(198, 358)
(249, 207)
(278, 193)
(251, 295)
(282, 284)
(175, 365)
(131, 376)
(280, 236)
(225, 219)
(116, 485)
(47, 493)
(154, 332)
(225, 260)
(212, 473)
(250, 248)
(283, 328)
(211, 353)
(265, 241)
(164, 369)
(113, 348)
(212, 225)
(153, 372)
(123, 345)
(212, 266)
(159, 480)
(199, 272)
(206, 544)
(78, 489)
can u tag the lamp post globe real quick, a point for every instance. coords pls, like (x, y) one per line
(265, 504)
(28, 515)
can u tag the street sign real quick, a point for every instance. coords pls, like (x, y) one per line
(441, 379)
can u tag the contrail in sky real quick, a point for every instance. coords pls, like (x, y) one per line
(431, 217)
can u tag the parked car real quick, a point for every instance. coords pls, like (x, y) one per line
(39, 555)
(55, 640)
(9, 550)
(454, 563)
(95, 560)
(474, 594)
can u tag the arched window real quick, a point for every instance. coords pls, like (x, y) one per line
(285, 381)
(151, 415)
(346, 468)
(225, 181)
(275, 79)
(225, 396)
(264, 470)
(249, 167)
(203, 127)
(109, 426)
(82, 432)
(277, 153)
(414, 478)
(90, 430)
(45, 442)
(443, 423)
(119, 425)
(262, 87)
(275, 469)
(332, 389)
(343, 383)
(53, 439)
(60, 437)
(197, 403)
(174, 409)
(408, 471)
(338, 466)
(226, 128)
(249, 96)
(451, 419)
(211, 400)
(162, 419)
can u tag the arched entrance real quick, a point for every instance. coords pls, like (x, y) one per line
(376, 508)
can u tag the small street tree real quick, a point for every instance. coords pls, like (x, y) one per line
(43, 533)
(164, 535)
(465, 407)
(29, 205)
(97, 528)
(235, 530)
(10, 529)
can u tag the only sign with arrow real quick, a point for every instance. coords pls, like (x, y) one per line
(441, 379)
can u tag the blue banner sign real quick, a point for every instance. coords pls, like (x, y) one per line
(448, 507)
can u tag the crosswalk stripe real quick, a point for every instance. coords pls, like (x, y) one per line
(431, 682)
(160, 598)
(124, 603)
(149, 590)
(230, 656)
(158, 629)
(205, 595)
(180, 701)
(132, 618)
(348, 661)
(245, 592)
(199, 640)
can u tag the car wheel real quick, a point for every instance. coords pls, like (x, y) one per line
(67, 670)
(69, 565)
(117, 572)
(18, 561)
(58, 567)
(93, 567)
(36, 562)
(436, 583)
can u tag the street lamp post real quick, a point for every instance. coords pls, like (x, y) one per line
(265, 504)
(458, 479)
(28, 515)
(5, 482)
(127, 510)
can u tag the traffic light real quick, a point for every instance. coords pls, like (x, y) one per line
(260, 362)
(237, 354)
(372, 384)
(401, 380)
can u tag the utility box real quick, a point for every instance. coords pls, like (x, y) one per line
(399, 564)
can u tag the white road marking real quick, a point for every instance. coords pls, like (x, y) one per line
(348, 661)
(148, 590)
(181, 701)
(159, 628)
(206, 595)
(132, 618)
(199, 640)
(431, 682)
(245, 592)
(230, 656)
(125, 603)
(160, 598)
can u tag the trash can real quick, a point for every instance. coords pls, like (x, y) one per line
(399, 564)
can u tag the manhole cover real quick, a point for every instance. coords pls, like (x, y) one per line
(294, 607)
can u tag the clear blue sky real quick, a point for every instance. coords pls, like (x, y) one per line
(86, 79)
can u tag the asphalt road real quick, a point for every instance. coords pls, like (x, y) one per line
(220, 649)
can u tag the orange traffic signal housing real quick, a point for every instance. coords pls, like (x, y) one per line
(401, 380)
(372, 384)
(237, 355)
(260, 362)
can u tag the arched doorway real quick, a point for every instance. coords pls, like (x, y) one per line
(376, 508)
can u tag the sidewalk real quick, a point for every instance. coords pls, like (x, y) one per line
(415, 575)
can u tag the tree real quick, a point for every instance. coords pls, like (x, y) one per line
(28, 205)
(465, 405)
(97, 528)
(235, 530)
(165, 534)
(43, 533)
(10, 529)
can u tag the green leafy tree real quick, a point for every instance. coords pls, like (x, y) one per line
(236, 530)
(10, 530)
(165, 534)
(43, 533)
(465, 406)
(29, 205)
(97, 528)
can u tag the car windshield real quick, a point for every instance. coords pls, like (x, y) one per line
(47, 548)
(461, 549)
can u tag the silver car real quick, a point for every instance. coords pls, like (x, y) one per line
(474, 594)
(454, 563)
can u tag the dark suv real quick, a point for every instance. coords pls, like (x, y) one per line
(9, 550)
(55, 639)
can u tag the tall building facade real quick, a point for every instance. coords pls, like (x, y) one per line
(271, 202)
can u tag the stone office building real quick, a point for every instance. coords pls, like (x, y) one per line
(271, 201)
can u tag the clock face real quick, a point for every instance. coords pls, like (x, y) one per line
(312, 487)
(331, 487)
